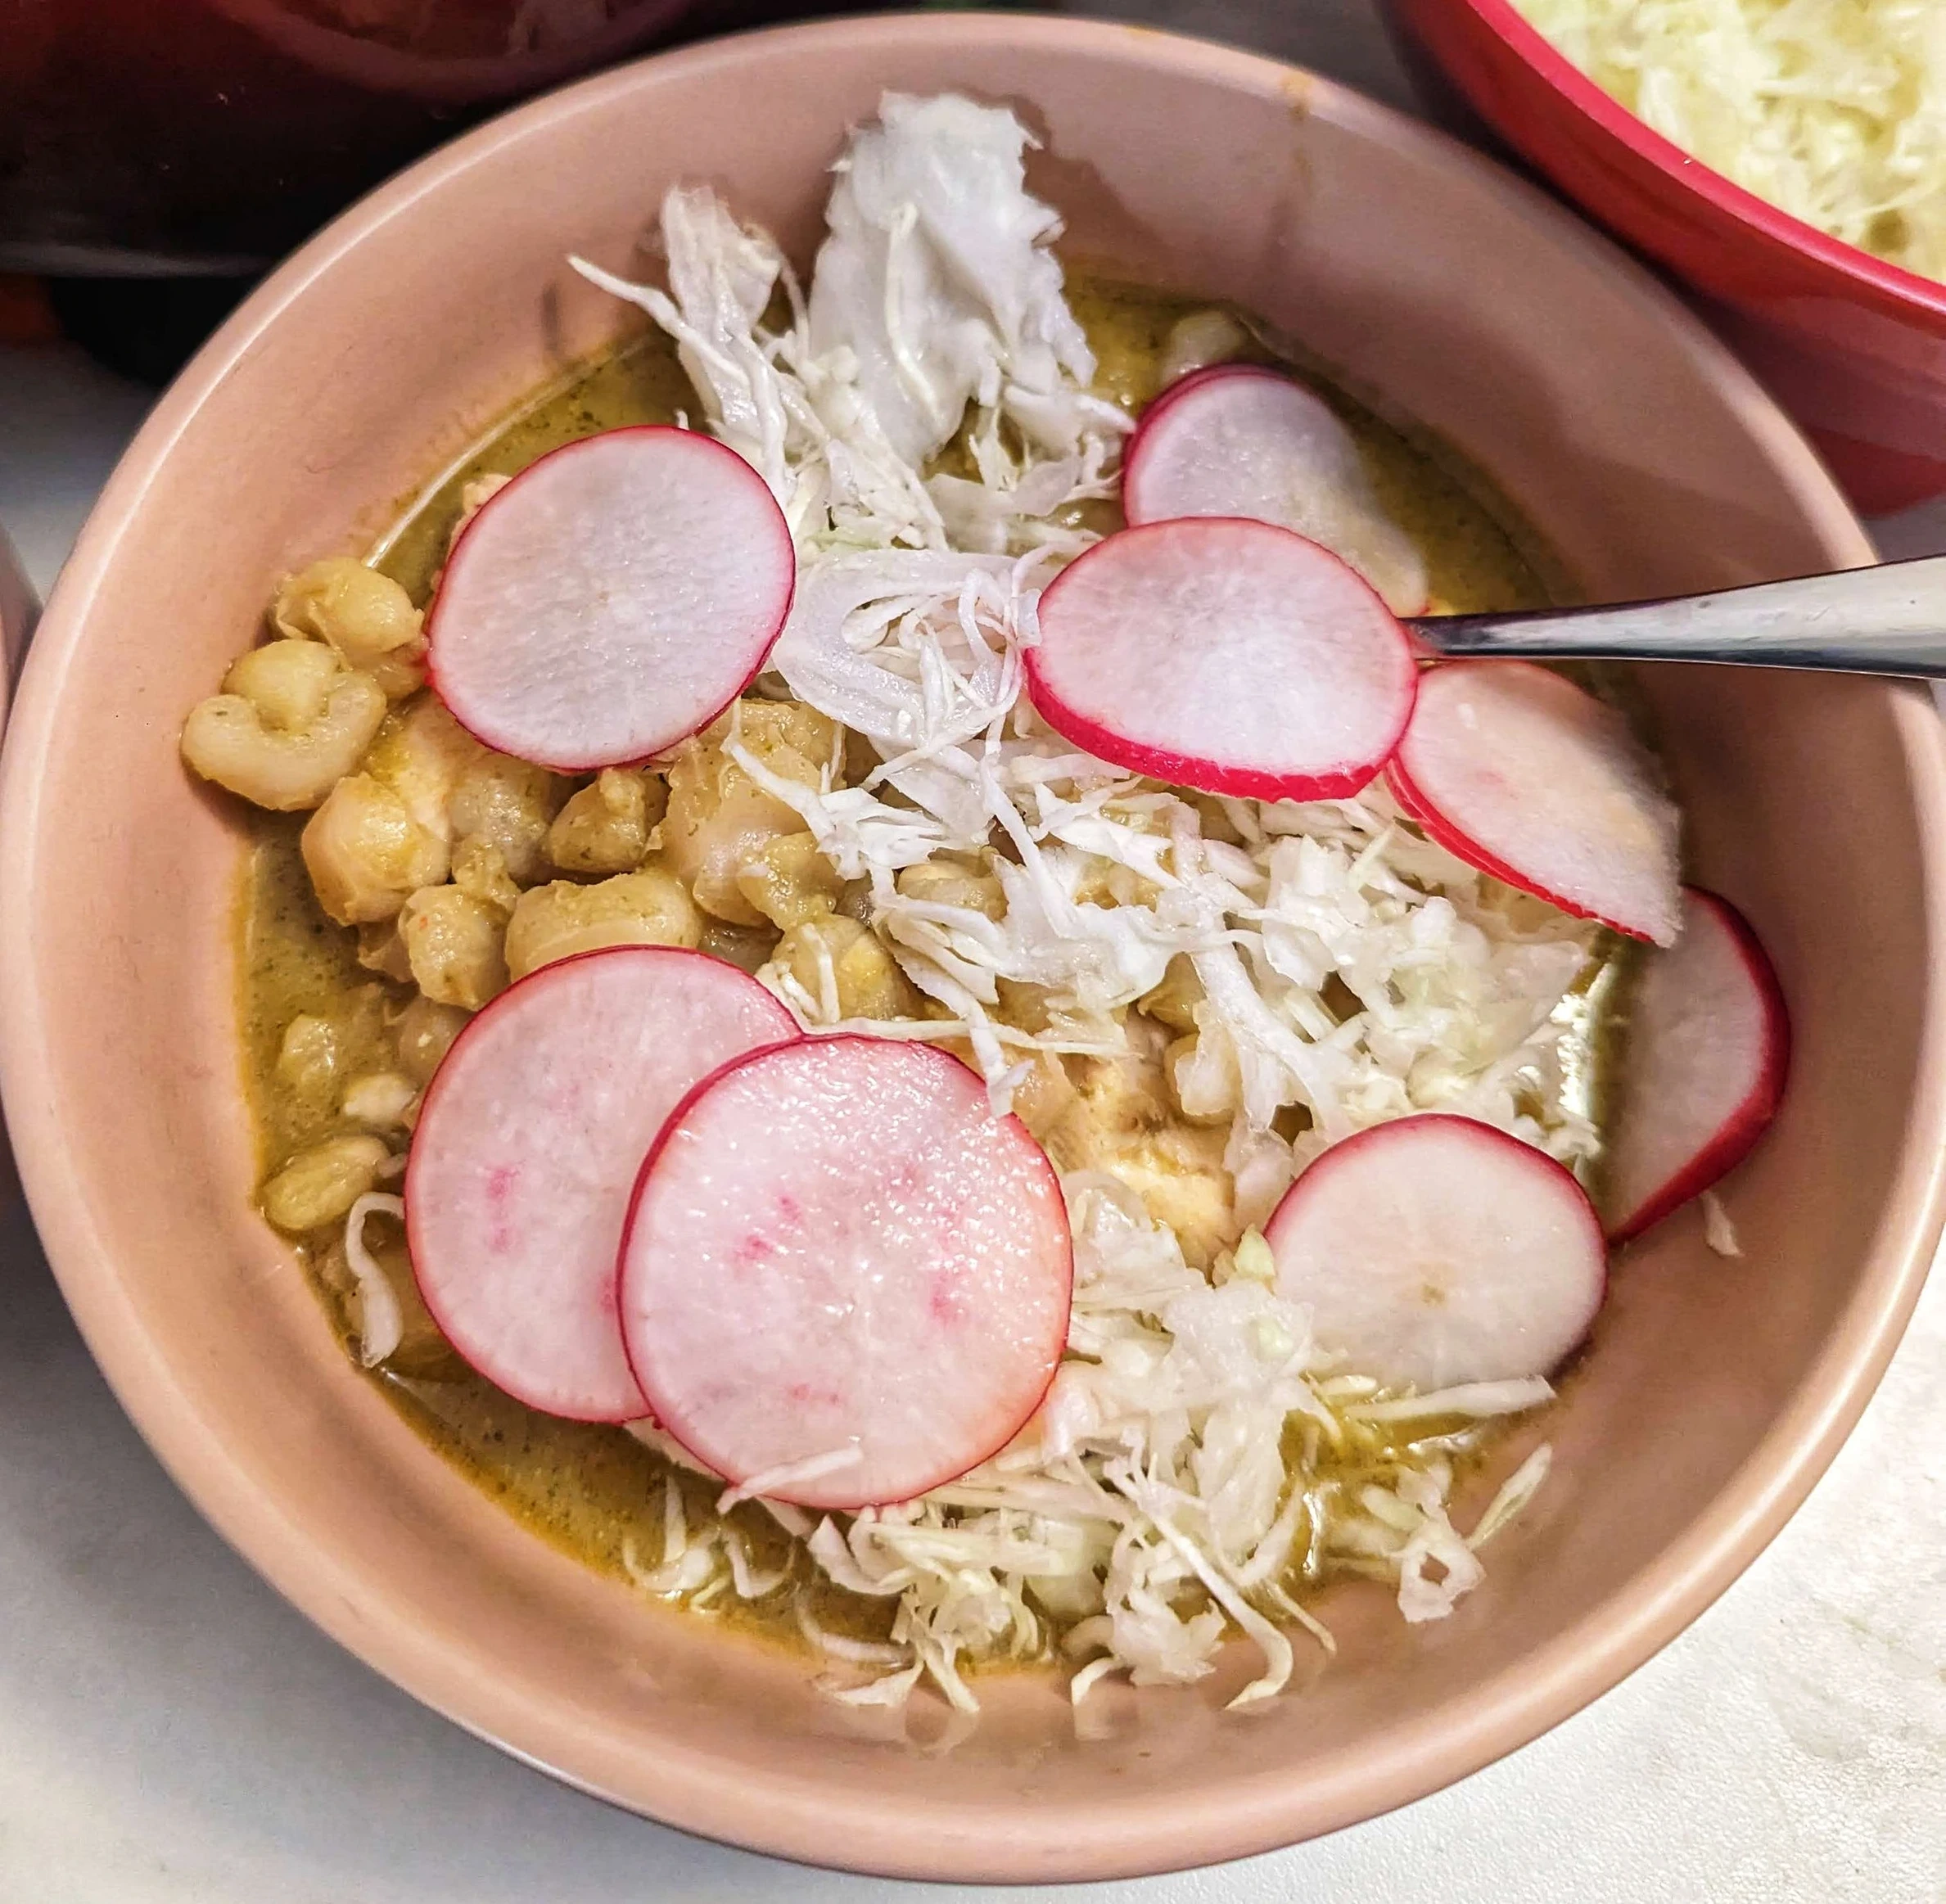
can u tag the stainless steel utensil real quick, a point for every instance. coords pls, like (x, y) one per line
(1886, 620)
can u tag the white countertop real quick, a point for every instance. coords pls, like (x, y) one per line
(172, 1733)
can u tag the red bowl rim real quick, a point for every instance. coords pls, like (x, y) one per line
(1891, 283)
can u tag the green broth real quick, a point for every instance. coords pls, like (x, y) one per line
(596, 1491)
(637, 382)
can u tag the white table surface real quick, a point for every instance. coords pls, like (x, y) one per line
(172, 1733)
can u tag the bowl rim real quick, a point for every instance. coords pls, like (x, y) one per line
(1891, 285)
(802, 1819)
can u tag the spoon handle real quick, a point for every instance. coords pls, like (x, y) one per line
(1891, 620)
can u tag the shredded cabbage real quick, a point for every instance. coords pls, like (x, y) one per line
(381, 1322)
(933, 290)
(1834, 110)
(935, 280)
(1321, 967)
(1719, 1233)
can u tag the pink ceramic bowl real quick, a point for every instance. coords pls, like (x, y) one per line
(1633, 443)
(1854, 348)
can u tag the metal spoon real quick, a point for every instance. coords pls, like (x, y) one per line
(1886, 620)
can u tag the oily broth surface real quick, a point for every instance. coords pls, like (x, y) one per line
(593, 1489)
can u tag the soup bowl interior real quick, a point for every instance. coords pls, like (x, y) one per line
(1716, 1389)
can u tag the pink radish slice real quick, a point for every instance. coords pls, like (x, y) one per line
(1239, 439)
(1436, 1250)
(613, 600)
(845, 1281)
(1228, 655)
(526, 1152)
(1525, 776)
(1708, 1048)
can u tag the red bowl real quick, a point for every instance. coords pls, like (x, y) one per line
(1854, 348)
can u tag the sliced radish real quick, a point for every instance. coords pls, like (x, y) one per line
(1436, 1250)
(526, 1152)
(1228, 655)
(1709, 1047)
(611, 600)
(1242, 440)
(845, 1281)
(1520, 773)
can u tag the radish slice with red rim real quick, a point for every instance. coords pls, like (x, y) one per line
(1522, 774)
(1709, 1047)
(526, 1152)
(611, 600)
(1240, 440)
(1228, 655)
(845, 1281)
(1436, 1250)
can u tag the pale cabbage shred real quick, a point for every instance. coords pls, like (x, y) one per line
(1167, 1489)
(1834, 110)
